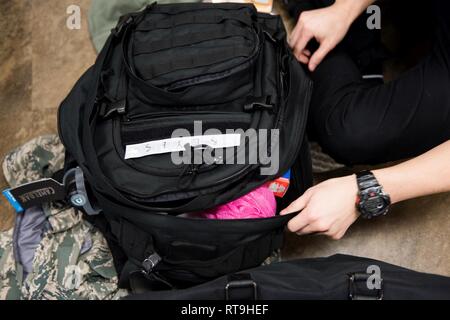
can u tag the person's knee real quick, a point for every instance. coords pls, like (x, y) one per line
(353, 141)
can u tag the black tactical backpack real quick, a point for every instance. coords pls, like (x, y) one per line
(169, 67)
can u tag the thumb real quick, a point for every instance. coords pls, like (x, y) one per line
(297, 205)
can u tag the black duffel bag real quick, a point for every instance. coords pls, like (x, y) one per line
(164, 68)
(339, 277)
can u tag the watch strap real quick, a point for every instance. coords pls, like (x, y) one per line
(366, 179)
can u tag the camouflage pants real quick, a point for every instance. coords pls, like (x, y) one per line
(72, 261)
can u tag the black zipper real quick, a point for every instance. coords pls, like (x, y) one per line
(215, 76)
(162, 114)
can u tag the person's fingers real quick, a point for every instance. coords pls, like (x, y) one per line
(319, 55)
(300, 46)
(296, 205)
(305, 230)
(303, 40)
(302, 58)
(299, 222)
(312, 229)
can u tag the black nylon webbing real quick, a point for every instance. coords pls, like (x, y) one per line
(136, 243)
(184, 19)
(243, 256)
(224, 31)
(202, 59)
(204, 7)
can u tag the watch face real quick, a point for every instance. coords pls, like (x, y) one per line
(376, 205)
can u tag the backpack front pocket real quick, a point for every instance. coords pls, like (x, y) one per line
(199, 164)
(187, 59)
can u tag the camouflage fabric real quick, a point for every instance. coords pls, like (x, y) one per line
(37, 159)
(62, 267)
(9, 287)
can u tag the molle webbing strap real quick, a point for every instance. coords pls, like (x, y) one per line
(221, 32)
(136, 243)
(213, 56)
(205, 7)
(185, 19)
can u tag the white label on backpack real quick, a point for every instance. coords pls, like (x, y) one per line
(179, 144)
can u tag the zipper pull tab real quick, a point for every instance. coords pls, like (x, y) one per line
(263, 103)
(116, 107)
(188, 175)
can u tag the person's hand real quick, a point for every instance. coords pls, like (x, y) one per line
(327, 208)
(327, 25)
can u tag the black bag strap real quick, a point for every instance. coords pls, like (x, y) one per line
(141, 282)
(137, 244)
